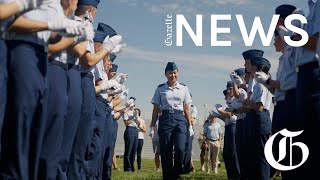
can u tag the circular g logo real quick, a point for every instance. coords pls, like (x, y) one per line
(282, 150)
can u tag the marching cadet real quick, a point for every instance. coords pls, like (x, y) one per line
(173, 100)
(27, 89)
(259, 104)
(230, 120)
(130, 136)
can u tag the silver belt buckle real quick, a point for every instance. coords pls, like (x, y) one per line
(171, 111)
(297, 69)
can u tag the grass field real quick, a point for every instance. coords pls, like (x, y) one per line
(148, 172)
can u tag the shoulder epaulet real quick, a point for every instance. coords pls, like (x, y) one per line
(183, 84)
(161, 85)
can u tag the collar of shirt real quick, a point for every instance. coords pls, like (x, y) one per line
(177, 86)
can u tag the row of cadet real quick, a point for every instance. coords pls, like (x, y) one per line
(61, 96)
(295, 94)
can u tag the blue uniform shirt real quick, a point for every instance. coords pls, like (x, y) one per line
(304, 55)
(251, 84)
(261, 94)
(212, 130)
(289, 75)
(279, 94)
(171, 97)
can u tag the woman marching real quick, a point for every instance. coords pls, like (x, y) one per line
(173, 100)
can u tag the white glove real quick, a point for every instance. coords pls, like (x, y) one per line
(121, 78)
(130, 102)
(261, 77)
(218, 107)
(88, 32)
(236, 79)
(118, 90)
(31, 4)
(191, 130)
(233, 118)
(110, 84)
(119, 48)
(67, 26)
(151, 133)
(110, 43)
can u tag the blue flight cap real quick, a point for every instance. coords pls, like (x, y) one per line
(114, 68)
(89, 2)
(250, 54)
(225, 92)
(240, 71)
(261, 61)
(112, 57)
(171, 66)
(229, 84)
(106, 29)
(285, 10)
(99, 36)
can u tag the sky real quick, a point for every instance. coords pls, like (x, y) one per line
(205, 70)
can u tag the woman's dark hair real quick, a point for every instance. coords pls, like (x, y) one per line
(263, 68)
(139, 111)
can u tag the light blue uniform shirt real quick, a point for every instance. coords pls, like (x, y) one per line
(71, 59)
(129, 115)
(279, 94)
(261, 94)
(45, 13)
(304, 55)
(212, 130)
(288, 79)
(252, 82)
(103, 93)
(171, 97)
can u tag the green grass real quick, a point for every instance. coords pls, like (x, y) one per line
(148, 172)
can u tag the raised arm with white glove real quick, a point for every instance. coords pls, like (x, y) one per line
(130, 102)
(121, 78)
(118, 90)
(88, 32)
(119, 48)
(110, 84)
(31, 4)
(218, 107)
(261, 77)
(236, 79)
(110, 43)
(67, 26)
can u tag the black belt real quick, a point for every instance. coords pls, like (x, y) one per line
(172, 111)
(58, 63)
(73, 66)
(100, 98)
(290, 92)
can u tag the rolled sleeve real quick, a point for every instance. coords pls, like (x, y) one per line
(187, 99)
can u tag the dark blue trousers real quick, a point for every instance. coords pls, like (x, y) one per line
(259, 169)
(230, 153)
(307, 108)
(173, 132)
(240, 145)
(3, 83)
(57, 111)
(71, 121)
(139, 152)
(187, 161)
(26, 111)
(115, 132)
(108, 146)
(78, 166)
(131, 144)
